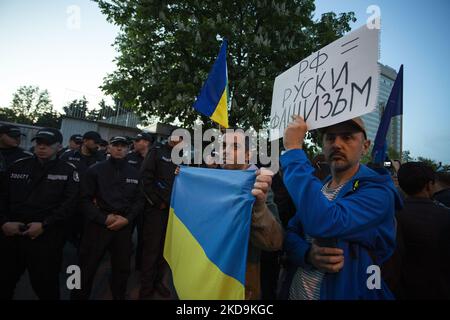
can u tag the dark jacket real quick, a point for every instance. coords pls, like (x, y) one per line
(9, 155)
(111, 186)
(443, 197)
(80, 161)
(36, 192)
(135, 159)
(425, 230)
(157, 175)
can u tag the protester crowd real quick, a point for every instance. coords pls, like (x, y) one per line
(317, 225)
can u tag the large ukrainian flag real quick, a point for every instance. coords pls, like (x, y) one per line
(208, 232)
(213, 98)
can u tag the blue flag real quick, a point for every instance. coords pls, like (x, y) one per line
(394, 107)
(208, 232)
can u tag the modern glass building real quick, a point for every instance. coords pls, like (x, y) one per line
(372, 120)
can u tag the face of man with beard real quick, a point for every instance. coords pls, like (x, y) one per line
(91, 145)
(344, 145)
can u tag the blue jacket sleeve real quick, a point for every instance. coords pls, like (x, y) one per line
(344, 218)
(295, 245)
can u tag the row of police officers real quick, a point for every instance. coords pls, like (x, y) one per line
(88, 197)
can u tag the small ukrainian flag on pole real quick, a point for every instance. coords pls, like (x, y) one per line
(213, 98)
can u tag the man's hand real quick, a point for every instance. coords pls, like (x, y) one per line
(177, 170)
(34, 230)
(294, 134)
(110, 219)
(118, 223)
(324, 259)
(261, 187)
(12, 228)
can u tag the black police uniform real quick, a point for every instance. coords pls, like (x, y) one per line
(157, 177)
(135, 159)
(9, 155)
(35, 192)
(110, 186)
(82, 162)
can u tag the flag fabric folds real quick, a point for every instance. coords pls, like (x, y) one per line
(394, 107)
(213, 98)
(208, 232)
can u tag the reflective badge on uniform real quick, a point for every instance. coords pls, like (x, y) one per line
(19, 176)
(134, 181)
(57, 177)
(76, 178)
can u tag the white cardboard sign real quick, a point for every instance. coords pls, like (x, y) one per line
(334, 84)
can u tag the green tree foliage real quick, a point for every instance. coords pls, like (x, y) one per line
(33, 106)
(29, 102)
(103, 112)
(406, 156)
(436, 165)
(432, 163)
(49, 119)
(7, 114)
(77, 108)
(166, 49)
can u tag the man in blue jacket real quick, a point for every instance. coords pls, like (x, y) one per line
(353, 212)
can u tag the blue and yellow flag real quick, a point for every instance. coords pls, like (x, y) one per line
(213, 98)
(208, 232)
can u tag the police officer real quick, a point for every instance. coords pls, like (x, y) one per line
(157, 176)
(36, 197)
(110, 201)
(142, 144)
(75, 142)
(9, 146)
(103, 148)
(82, 159)
(88, 153)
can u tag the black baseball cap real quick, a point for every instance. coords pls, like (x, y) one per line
(144, 136)
(92, 135)
(49, 135)
(78, 138)
(103, 143)
(10, 130)
(119, 140)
